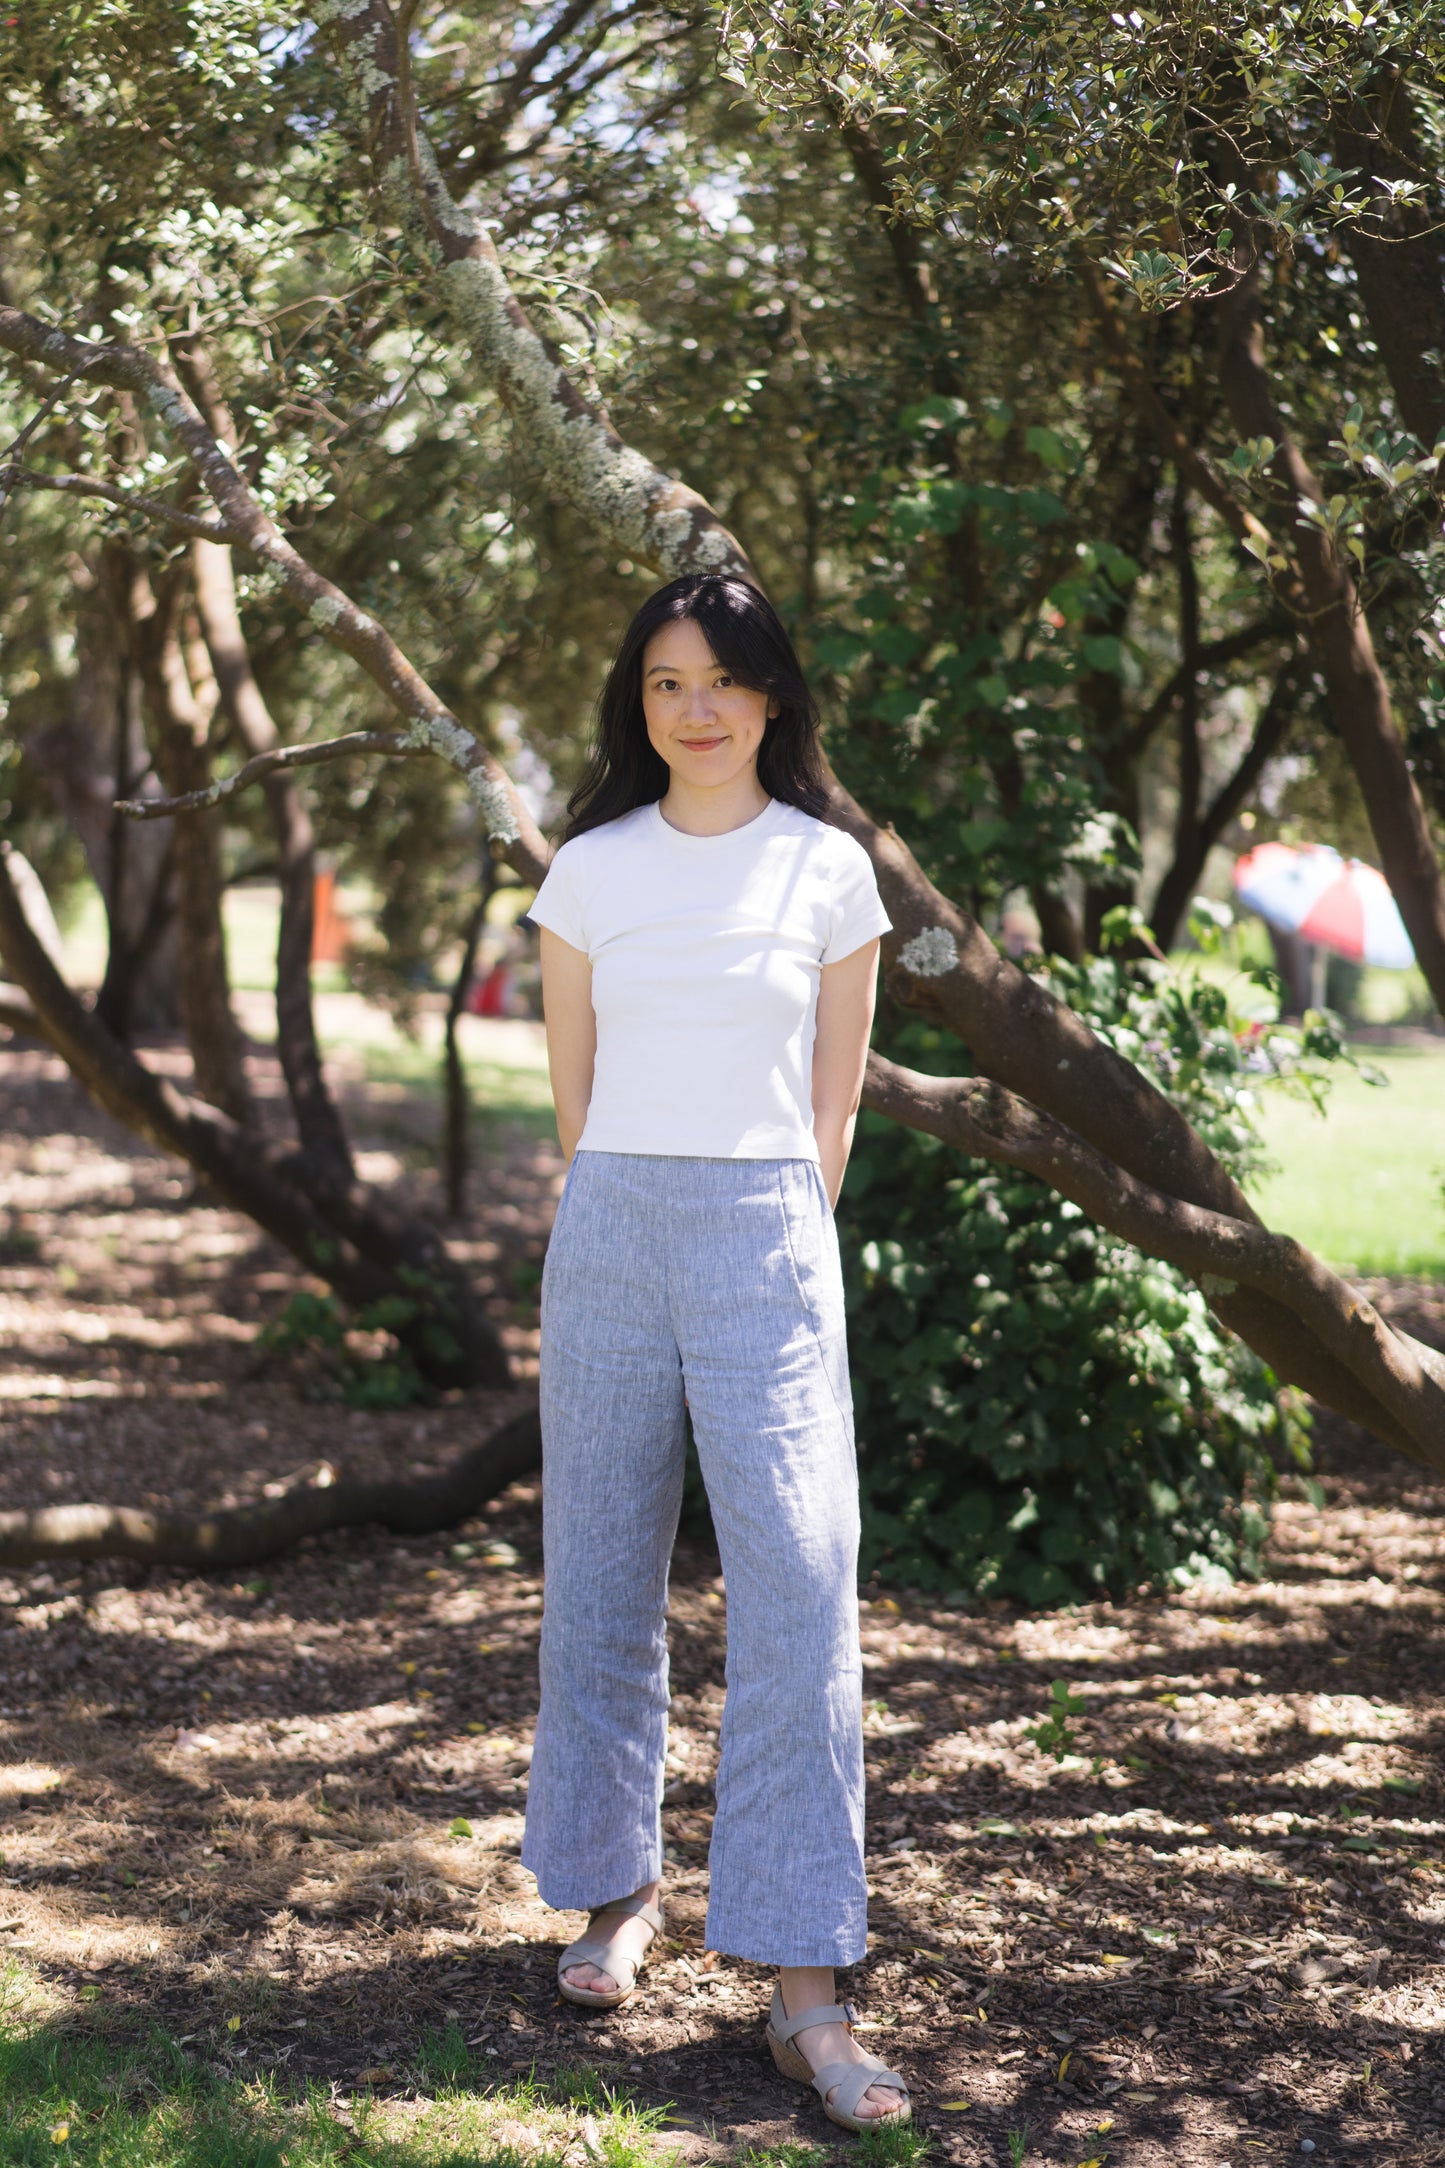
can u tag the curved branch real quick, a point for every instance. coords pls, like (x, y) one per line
(940, 961)
(318, 1118)
(17, 1013)
(1396, 1384)
(231, 1536)
(347, 1235)
(394, 743)
(430, 724)
(1211, 655)
(649, 514)
(129, 500)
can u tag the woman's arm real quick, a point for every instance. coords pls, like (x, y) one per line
(845, 1018)
(571, 1034)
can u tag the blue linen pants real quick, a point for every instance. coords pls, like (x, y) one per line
(718, 1278)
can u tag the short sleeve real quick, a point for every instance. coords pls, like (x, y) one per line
(857, 914)
(558, 906)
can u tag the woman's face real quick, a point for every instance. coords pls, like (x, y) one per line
(704, 724)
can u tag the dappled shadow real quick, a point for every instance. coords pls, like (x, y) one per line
(293, 1798)
(304, 1802)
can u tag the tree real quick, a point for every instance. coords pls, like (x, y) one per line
(1048, 1095)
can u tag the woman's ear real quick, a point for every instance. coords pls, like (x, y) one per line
(775, 709)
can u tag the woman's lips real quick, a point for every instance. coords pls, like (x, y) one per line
(702, 745)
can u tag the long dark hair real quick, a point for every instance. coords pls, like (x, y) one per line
(746, 635)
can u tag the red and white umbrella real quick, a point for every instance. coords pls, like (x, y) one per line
(1337, 902)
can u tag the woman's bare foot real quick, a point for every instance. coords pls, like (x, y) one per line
(632, 1937)
(810, 1987)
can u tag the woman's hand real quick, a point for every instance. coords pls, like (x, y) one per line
(846, 994)
(571, 1034)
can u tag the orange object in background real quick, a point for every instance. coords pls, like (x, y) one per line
(491, 996)
(330, 927)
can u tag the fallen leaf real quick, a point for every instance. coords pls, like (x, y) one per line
(461, 1827)
(378, 2074)
(955, 2107)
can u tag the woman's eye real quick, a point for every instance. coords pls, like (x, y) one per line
(724, 681)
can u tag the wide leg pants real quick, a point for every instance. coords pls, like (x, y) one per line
(718, 1278)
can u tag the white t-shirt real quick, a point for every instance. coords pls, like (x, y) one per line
(706, 953)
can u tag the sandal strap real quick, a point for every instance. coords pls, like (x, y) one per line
(632, 1908)
(605, 1956)
(848, 2082)
(827, 2013)
(601, 1950)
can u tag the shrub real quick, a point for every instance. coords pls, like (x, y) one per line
(1042, 1411)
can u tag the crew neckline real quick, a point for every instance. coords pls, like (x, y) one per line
(728, 835)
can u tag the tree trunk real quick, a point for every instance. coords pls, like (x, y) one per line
(940, 962)
(1339, 637)
(231, 1536)
(89, 757)
(1193, 845)
(183, 761)
(1394, 1384)
(1398, 253)
(351, 1239)
(456, 1145)
(318, 1121)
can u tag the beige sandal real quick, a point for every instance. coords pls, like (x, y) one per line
(847, 2082)
(604, 1954)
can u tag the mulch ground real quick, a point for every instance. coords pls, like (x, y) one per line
(1213, 1935)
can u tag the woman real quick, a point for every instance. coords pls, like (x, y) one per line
(709, 953)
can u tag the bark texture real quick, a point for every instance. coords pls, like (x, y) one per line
(431, 726)
(1052, 1097)
(1400, 1380)
(318, 1123)
(1339, 637)
(354, 1240)
(180, 742)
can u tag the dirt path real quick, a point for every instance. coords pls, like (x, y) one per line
(1215, 1935)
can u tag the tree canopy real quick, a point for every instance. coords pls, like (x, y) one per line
(1071, 379)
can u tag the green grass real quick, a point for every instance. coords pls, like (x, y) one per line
(1364, 1185)
(252, 917)
(514, 1085)
(72, 2099)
